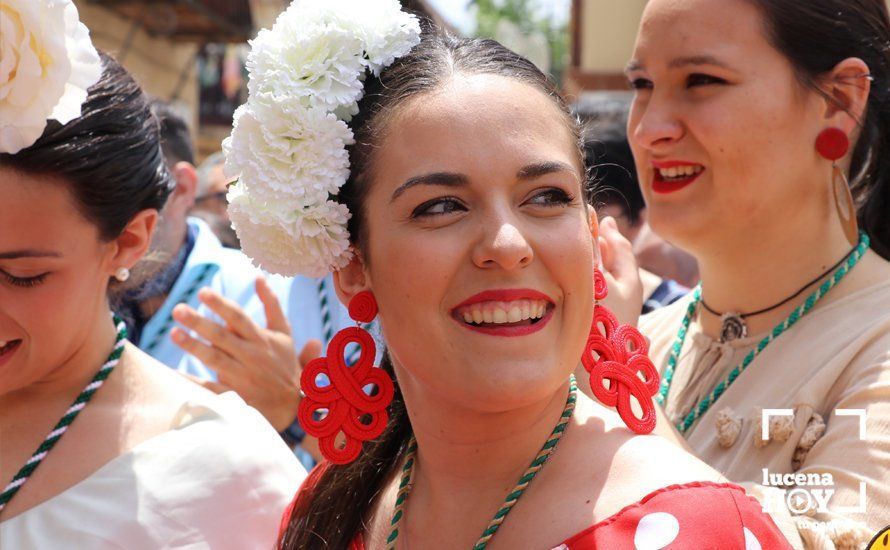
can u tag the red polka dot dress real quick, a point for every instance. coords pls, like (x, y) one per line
(694, 516)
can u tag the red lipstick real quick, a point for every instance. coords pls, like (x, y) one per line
(661, 185)
(507, 295)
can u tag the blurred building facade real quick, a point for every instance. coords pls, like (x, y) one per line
(601, 43)
(191, 52)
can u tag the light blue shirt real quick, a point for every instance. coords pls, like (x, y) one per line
(230, 273)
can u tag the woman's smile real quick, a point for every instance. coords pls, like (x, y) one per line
(506, 312)
(673, 175)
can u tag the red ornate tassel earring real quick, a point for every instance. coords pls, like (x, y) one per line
(345, 406)
(833, 144)
(619, 355)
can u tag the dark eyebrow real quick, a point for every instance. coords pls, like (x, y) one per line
(696, 60)
(446, 179)
(680, 62)
(543, 168)
(16, 254)
(450, 179)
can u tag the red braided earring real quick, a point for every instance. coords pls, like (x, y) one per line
(350, 410)
(618, 354)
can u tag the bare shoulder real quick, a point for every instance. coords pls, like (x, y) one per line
(637, 464)
(656, 462)
(159, 383)
(151, 395)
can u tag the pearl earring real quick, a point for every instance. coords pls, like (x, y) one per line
(122, 274)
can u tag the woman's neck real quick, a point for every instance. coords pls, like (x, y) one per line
(763, 268)
(467, 460)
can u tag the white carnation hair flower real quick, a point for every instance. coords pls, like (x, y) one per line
(288, 142)
(288, 239)
(47, 63)
(292, 151)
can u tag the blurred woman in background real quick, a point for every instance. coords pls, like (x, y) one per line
(761, 133)
(136, 456)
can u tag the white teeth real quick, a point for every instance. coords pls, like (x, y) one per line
(3, 343)
(514, 315)
(503, 312)
(679, 171)
(500, 316)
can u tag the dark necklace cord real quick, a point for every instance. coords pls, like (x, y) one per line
(788, 299)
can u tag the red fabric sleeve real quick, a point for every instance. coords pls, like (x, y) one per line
(694, 516)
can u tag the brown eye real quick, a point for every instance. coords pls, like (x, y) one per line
(551, 197)
(699, 79)
(640, 84)
(438, 207)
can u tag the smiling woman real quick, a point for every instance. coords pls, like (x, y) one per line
(102, 446)
(470, 240)
(761, 134)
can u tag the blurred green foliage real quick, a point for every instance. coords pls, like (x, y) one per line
(526, 15)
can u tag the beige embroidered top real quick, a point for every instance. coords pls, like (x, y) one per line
(837, 357)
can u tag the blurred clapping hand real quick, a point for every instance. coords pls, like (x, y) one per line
(260, 364)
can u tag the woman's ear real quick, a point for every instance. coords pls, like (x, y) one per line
(351, 280)
(133, 242)
(847, 87)
(593, 222)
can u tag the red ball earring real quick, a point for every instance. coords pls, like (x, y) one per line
(833, 144)
(618, 354)
(345, 406)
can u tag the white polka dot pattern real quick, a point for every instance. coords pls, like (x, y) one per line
(751, 542)
(655, 531)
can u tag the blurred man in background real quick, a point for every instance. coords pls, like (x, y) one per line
(248, 332)
(210, 199)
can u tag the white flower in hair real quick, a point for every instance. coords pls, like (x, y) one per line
(283, 148)
(289, 241)
(289, 140)
(318, 50)
(47, 63)
(389, 33)
(316, 64)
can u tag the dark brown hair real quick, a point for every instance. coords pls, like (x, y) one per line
(337, 506)
(816, 35)
(110, 155)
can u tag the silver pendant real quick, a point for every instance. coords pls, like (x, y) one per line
(734, 327)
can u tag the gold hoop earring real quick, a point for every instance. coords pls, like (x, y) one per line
(843, 202)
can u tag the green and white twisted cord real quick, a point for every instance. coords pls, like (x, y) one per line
(62, 426)
(799, 312)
